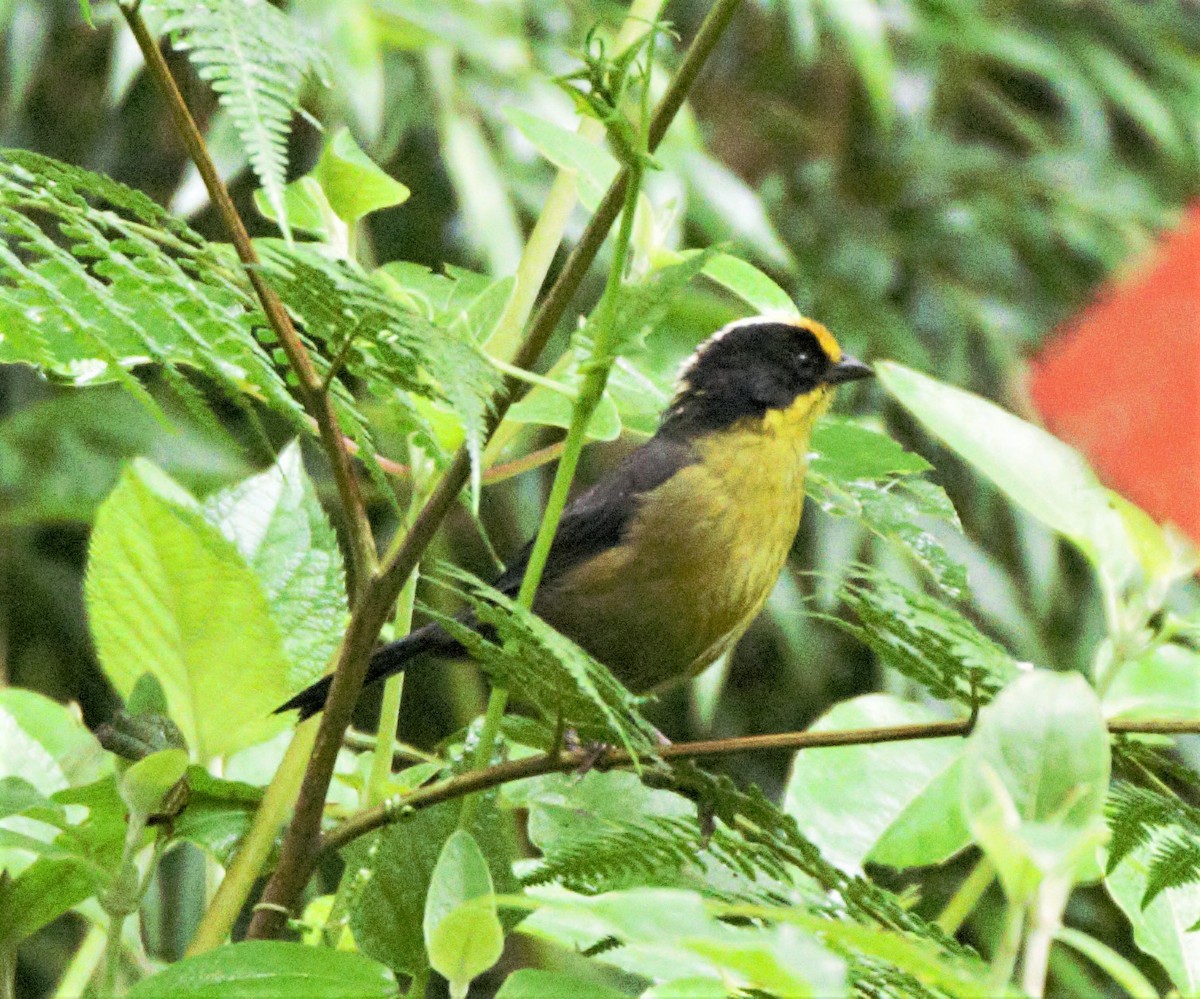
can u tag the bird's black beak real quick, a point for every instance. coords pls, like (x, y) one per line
(848, 369)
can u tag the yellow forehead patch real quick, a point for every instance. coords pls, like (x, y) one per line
(824, 337)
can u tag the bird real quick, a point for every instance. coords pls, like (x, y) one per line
(659, 568)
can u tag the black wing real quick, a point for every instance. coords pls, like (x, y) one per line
(596, 520)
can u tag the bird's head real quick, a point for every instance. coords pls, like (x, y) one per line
(768, 369)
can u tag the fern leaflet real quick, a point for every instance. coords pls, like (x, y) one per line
(256, 61)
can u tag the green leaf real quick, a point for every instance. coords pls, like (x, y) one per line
(45, 744)
(1034, 469)
(926, 639)
(1161, 683)
(523, 653)
(280, 529)
(157, 569)
(387, 915)
(905, 810)
(1035, 779)
(353, 183)
(530, 983)
(861, 473)
(256, 61)
(122, 283)
(463, 935)
(146, 783)
(218, 813)
(594, 166)
(267, 969)
(668, 934)
(750, 285)
(1166, 928)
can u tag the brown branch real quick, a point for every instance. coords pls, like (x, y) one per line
(371, 819)
(312, 390)
(302, 842)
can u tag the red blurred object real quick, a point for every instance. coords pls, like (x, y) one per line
(1122, 381)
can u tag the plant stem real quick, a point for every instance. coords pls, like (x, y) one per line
(300, 845)
(255, 847)
(83, 964)
(963, 903)
(1005, 958)
(564, 762)
(590, 393)
(316, 400)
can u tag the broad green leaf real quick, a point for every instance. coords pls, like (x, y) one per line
(1164, 682)
(145, 783)
(463, 935)
(750, 285)
(904, 810)
(386, 916)
(845, 451)
(545, 407)
(354, 185)
(169, 594)
(46, 744)
(1035, 778)
(1167, 928)
(279, 527)
(1034, 469)
(530, 983)
(42, 893)
(694, 987)
(669, 934)
(306, 209)
(594, 166)
(268, 969)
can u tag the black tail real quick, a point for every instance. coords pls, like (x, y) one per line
(386, 661)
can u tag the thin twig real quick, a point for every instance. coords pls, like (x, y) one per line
(564, 762)
(312, 390)
(302, 842)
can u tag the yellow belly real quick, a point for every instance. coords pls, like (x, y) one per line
(698, 561)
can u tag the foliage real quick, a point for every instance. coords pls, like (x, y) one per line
(940, 182)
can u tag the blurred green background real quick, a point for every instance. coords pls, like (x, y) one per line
(941, 182)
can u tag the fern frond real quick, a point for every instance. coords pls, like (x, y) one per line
(926, 640)
(1175, 861)
(395, 351)
(256, 61)
(522, 652)
(96, 279)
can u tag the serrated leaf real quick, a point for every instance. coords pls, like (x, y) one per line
(122, 283)
(266, 969)
(157, 569)
(386, 916)
(278, 525)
